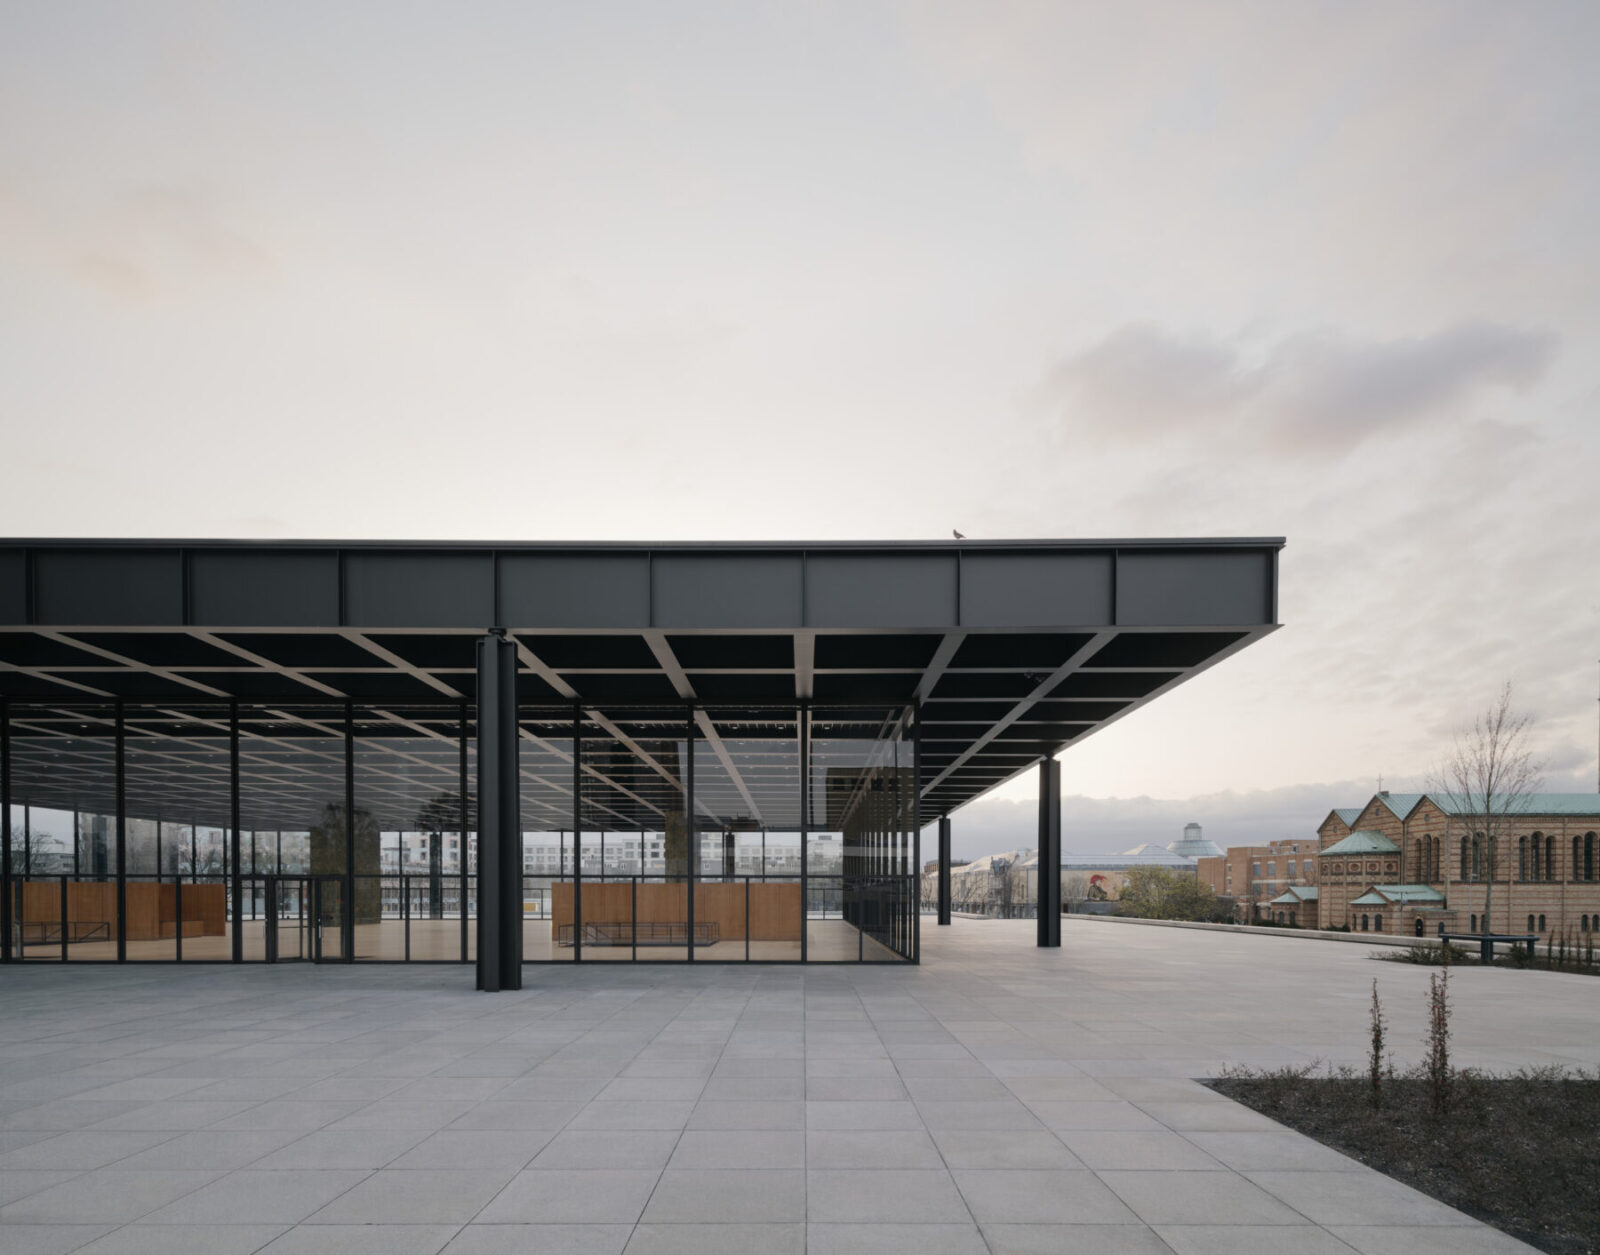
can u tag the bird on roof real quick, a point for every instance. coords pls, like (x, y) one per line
(958, 535)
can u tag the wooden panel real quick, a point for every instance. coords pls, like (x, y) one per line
(41, 902)
(774, 908)
(151, 907)
(610, 903)
(723, 905)
(775, 912)
(144, 911)
(209, 905)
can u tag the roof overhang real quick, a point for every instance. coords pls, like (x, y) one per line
(1012, 649)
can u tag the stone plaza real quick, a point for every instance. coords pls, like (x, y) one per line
(997, 1097)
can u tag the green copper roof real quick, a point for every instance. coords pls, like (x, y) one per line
(1349, 814)
(1363, 841)
(1401, 804)
(1536, 804)
(1294, 894)
(1397, 895)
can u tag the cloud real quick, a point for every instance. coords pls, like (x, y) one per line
(1143, 377)
(1330, 391)
(1322, 392)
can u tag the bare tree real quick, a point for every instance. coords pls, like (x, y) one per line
(1002, 887)
(1490, 780)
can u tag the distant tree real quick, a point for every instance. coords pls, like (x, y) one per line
(1490, 779)
(1161, 893)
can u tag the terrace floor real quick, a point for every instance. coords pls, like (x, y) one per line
(997, 1098)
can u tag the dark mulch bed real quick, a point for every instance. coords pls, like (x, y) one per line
(1520, 1152)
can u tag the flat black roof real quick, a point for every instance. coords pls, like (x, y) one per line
(1014, 649)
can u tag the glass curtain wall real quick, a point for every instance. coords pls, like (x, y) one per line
(178, 777)
(658, 834)
(862, 819)
(293, 786)
(633, 787)
(413, 872)
(747, 779)
(545, 764)
(62, 771)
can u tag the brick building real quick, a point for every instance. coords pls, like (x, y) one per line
(1411, 862)
(1254, 875)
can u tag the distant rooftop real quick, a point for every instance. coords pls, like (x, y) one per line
(1363, 841)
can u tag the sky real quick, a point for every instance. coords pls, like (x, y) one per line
(819, 270)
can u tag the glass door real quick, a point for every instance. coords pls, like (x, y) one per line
(289, 928)
(327, 908)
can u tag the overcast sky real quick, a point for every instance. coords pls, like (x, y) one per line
(861, 270)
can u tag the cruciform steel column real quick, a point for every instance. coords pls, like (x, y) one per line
(499, 819)
(1049, 853)
(944, 869)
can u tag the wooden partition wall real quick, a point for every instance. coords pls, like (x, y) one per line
(152, 907)
(775, 913)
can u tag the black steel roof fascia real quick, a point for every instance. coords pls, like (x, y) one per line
(647, 546)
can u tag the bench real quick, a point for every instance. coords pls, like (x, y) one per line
(1488, 941)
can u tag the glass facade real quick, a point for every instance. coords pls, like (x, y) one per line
(140, 831)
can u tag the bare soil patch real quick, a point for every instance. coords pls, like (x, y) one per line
(1519, 1152)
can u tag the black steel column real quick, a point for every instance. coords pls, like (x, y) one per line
(1049, 853)
(916, 829)
(347, 917)
(6, 891)
(944, 869)
(499, 818)
(233, 821)
(122, 837)
(689, 820)
(577, 835)
(803, 717)
(464, 817)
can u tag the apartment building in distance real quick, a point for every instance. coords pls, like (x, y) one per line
(1257, 876)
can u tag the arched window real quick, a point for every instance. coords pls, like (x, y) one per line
(1577, 858)
(1522, 857)
(1541, 923)
(1530, 923)
(1588, 856)
(1549, 858)
(1474, 927)
(1441, 928)
(1377, 923)
(1464, 863)
(1363, 923)
(1292, 923)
